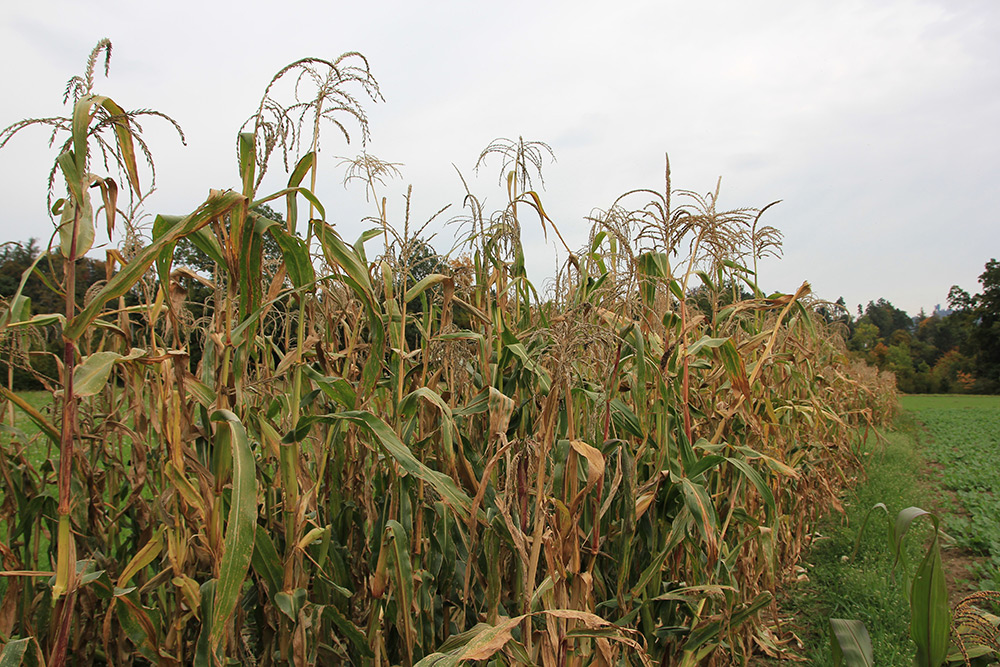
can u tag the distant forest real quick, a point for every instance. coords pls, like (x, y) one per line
(952, 350)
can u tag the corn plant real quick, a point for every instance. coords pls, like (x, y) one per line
(940, 637)
(365, 453)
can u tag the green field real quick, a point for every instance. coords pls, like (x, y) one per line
(961, 438)
(25, 433)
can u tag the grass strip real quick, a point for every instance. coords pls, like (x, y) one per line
(865, 588)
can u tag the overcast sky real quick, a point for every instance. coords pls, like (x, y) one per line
(876, 123)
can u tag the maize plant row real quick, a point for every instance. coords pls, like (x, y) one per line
(352, 458)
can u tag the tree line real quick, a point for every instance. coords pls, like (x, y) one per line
(952, 350)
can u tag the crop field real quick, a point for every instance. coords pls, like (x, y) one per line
(963, 439)
(272, 445)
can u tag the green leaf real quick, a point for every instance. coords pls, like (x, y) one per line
(131, 273)
(288, 192)
(72, 173)
(517, 348)
(850, 644)
(624, 419)
(653, 266)
(205, 242)
(265, 560)
(702, 464)
(138, 625)
(36, 417)
(79, 130)
(739, 268)
(355, 269)
(248, 161)
(712, 629)
(203, 652)
(706, 342)
(758, 482)
(40, 320)
(161, 225)
(337, 389)
(864, 522)
(897, 533)
(294, 180)
(699, 504)
(91, 376)
(301, 169)
(351, 631)
(84, 227)
(20, 307)
(126, 147)
(289, 604)
(734, 365)
(422, 285)
(238, 542)
(340, 254)
(676, 290)
(295, 253)
(363, 238)
(444, 485)
(395, 539)
(13, 652)
(930, 618)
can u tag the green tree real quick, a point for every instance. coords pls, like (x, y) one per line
(945, 371)
(986, 334)
(887, 318)
(899, 361)
(864, 338)
(974, 325)
(28, 360)
(959, 299)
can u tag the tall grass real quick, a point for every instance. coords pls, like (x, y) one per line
(372, 468)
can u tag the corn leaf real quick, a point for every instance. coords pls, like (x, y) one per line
(423, 284)
(396, 541)
(122, 282)
(850, 644)
(142, 558)
(295, 253)
(930, 618)
(238, 542)
(699, 504)
(203, 656)
(13, 652)
(37, 418)
(248, 161)
(294, 180)
(126, 147)
(758, 483)
(265, 560)
(91, 376)
(480, 643)
(444, 485)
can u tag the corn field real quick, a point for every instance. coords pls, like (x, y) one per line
(342, 463)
